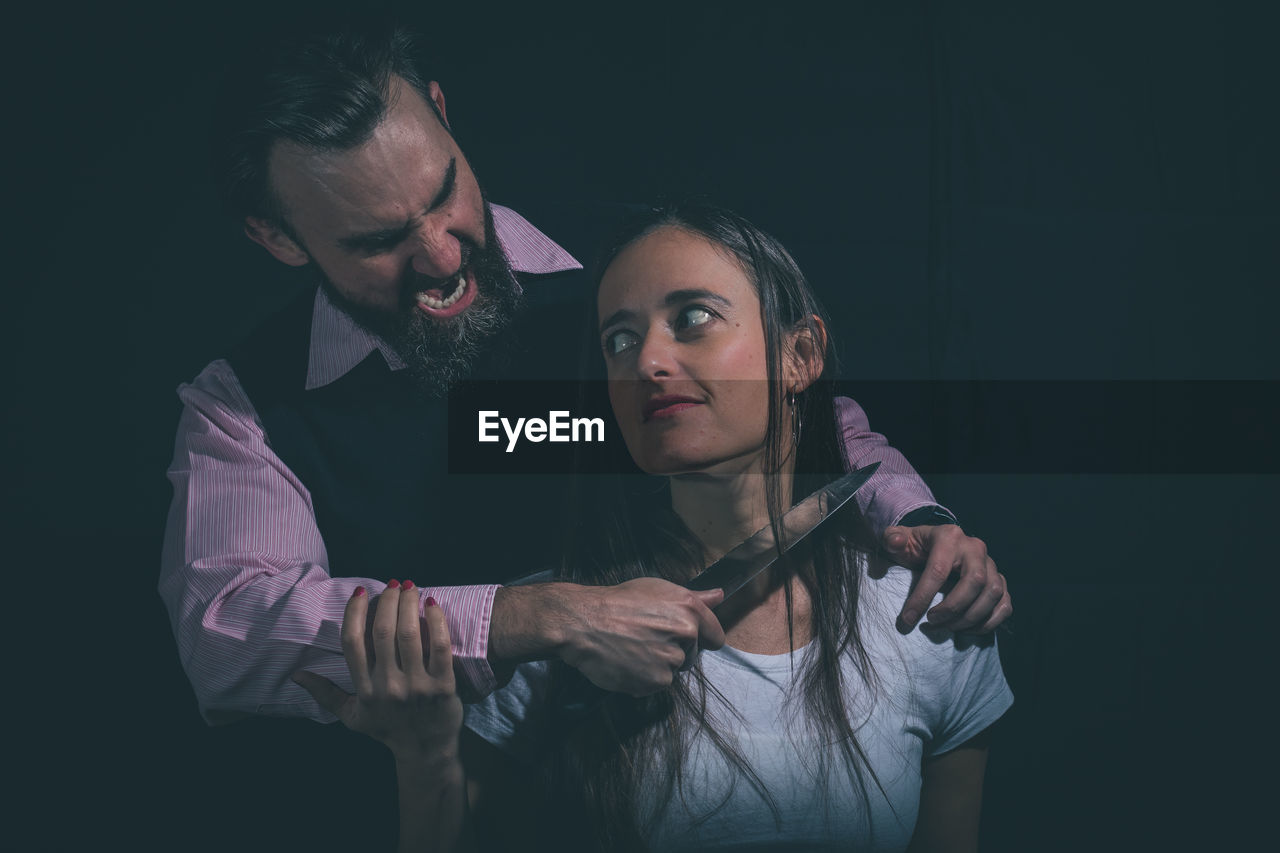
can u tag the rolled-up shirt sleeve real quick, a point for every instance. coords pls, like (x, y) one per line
(244, 573)
(895, 489)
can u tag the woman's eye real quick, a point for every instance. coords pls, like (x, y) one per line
(694, 315)
(620, 341)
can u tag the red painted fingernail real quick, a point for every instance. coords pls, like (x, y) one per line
(393, 584)
(407, 585)
(359, 592)
(431, 602)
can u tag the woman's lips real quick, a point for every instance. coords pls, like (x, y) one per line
(667, 407)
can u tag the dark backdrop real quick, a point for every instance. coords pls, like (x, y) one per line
(980, 191)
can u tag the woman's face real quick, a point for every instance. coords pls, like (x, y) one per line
(683, 342)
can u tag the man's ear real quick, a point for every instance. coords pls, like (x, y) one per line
(436, 94)
(281, 246)
(805, 354)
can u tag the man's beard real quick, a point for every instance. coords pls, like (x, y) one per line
(439, 352)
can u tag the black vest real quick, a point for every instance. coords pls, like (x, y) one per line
(372, 451)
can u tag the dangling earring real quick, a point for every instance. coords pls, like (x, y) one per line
(797, 421)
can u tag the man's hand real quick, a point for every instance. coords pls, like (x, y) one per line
(978, 602)
(634, 637)
(405, 694)
(630, 638)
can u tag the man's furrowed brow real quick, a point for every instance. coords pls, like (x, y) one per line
(386, 238)
(447, 185)
(380, 239)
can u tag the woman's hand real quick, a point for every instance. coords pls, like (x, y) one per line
(405, 693)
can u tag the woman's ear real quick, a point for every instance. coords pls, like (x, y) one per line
(806, 346)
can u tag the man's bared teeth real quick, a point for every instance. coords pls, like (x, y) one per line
(432, 302)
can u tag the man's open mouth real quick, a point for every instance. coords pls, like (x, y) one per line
(439, 302)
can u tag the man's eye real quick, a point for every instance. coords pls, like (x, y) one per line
(619, 342)
(694, 315)
(379, 245)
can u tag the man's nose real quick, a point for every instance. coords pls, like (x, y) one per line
(436, 252)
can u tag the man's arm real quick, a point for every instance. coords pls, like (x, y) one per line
(895, 490)
(895, 501)
(244, 572)
(630, 638)
(244, 575)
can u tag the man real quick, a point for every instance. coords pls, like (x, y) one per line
(311, 461)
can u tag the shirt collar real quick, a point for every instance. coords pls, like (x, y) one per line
(338, 344)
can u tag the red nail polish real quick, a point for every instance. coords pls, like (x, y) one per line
(431, 602)
(407, 585)
(359, 592)
(393, 584)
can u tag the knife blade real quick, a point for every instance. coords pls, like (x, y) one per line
(741, 564)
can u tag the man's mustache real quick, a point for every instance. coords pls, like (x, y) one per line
(416, 282)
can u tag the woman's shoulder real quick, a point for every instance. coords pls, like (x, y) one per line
(954, 682)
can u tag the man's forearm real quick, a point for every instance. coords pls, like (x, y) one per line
(532, 622)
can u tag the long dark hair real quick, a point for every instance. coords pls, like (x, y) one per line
(627, 529)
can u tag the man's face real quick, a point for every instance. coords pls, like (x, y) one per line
(401, 236)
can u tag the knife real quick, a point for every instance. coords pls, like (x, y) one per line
(757, 552)
(739, 566)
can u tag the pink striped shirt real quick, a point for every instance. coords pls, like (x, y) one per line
(244, 572)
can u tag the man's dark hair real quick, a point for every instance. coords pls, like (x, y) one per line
(325, 90)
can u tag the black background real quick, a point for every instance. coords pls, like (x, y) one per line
(980, 191)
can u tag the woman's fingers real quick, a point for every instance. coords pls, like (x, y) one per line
(408, 635)
(403, 643)
(386, 666)
(437, 643)
(402, 668)
(353, 645)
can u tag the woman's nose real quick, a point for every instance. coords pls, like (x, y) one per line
(657, 357)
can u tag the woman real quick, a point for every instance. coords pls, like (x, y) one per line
(817, 725)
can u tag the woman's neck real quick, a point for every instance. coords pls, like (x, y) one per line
(721, 511)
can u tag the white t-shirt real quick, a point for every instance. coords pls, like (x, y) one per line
(930, 696)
